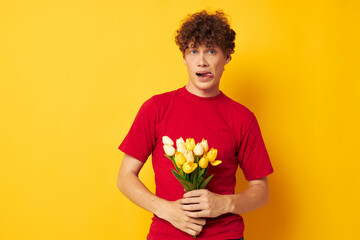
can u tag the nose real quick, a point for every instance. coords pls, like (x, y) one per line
(202, 61)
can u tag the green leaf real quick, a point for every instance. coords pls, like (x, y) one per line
(195, 177)
(206, 181)
(188, 186)
(177, 175)
(173, 161)
(206, 170)
(200, 178)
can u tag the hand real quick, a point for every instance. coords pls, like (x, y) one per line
(179, 219)
(203, 203)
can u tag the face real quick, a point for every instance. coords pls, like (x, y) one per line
(205, 67)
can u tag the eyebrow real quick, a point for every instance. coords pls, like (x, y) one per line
(206, 47)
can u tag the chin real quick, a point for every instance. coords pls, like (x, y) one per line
(205, 85)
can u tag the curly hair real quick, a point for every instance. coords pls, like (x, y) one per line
(208, 29)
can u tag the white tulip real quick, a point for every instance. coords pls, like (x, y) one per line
(169, 150)
(205, 145)
(189, 155)
(180, 144)
(167, 141)
(199, 149)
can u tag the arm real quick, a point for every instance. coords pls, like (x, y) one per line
(130, 185)
(203, 203)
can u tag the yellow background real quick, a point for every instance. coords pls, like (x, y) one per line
(74, 74)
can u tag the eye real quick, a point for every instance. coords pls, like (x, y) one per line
(193, 52)
(212, 51)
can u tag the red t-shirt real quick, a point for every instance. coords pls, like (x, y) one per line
(228, 126)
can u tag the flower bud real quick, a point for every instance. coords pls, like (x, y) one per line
(205, 145)
(190, 144)
(167, 141)
(179, 159)
(203, 163)
(169, 150)
(189, 155)
(198, 150)
(189, 167)
(180, 144)
(211, 155)
(180, 141)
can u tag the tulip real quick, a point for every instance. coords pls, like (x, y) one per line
(179, 159)
(189, 156)
(203, 163)
(180, 141)
(215, 163)
(190, 144)
(181, 148)
(189, 167)
(211, 155)
(199, 149)
(180, 144)
(205, 145)
(167, 141)
(169, 150)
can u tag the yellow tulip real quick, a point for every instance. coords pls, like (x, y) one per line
(167, 141)
(203, 163)
(169, 150)
(199, 150)
(211, 155)
(189, 155)
(189, 167)
(205, 145)
(179, 159)
(190, 144)
(216, 162)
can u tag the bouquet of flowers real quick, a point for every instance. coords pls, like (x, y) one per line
(191, 161)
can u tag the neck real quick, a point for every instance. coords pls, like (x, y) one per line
(203, 93)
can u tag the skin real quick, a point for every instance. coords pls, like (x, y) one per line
(130, 185)
(205, 59)
(188, 214)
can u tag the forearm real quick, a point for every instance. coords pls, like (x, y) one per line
(254, 197)
(132, 187)
(203, 203)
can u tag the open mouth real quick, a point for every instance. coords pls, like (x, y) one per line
(204, 74)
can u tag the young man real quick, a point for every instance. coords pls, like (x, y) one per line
(198, 110)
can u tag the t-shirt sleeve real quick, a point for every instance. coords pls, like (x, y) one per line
(253, 157)
(140, 140)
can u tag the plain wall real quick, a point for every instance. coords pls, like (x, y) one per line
(74, 74)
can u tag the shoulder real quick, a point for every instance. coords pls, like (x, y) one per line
(166, 96)
(159, 102)
(238, 109)
(162, 100)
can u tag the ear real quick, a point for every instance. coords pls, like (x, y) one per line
(184, 61)
(228, 58)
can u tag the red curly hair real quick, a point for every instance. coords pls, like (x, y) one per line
(208, 29)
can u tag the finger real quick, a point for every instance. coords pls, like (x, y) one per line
(194, 193)
(199, 221)
(191, 232)
(196, 221)
(194, 207)
(194, 229)
(198, 214)
(190, 200)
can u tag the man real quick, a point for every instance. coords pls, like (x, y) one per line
(198, 110)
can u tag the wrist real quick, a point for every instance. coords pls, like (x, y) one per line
(229, 203)
(160, 206)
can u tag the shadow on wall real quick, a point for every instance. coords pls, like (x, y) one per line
(275, 219)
